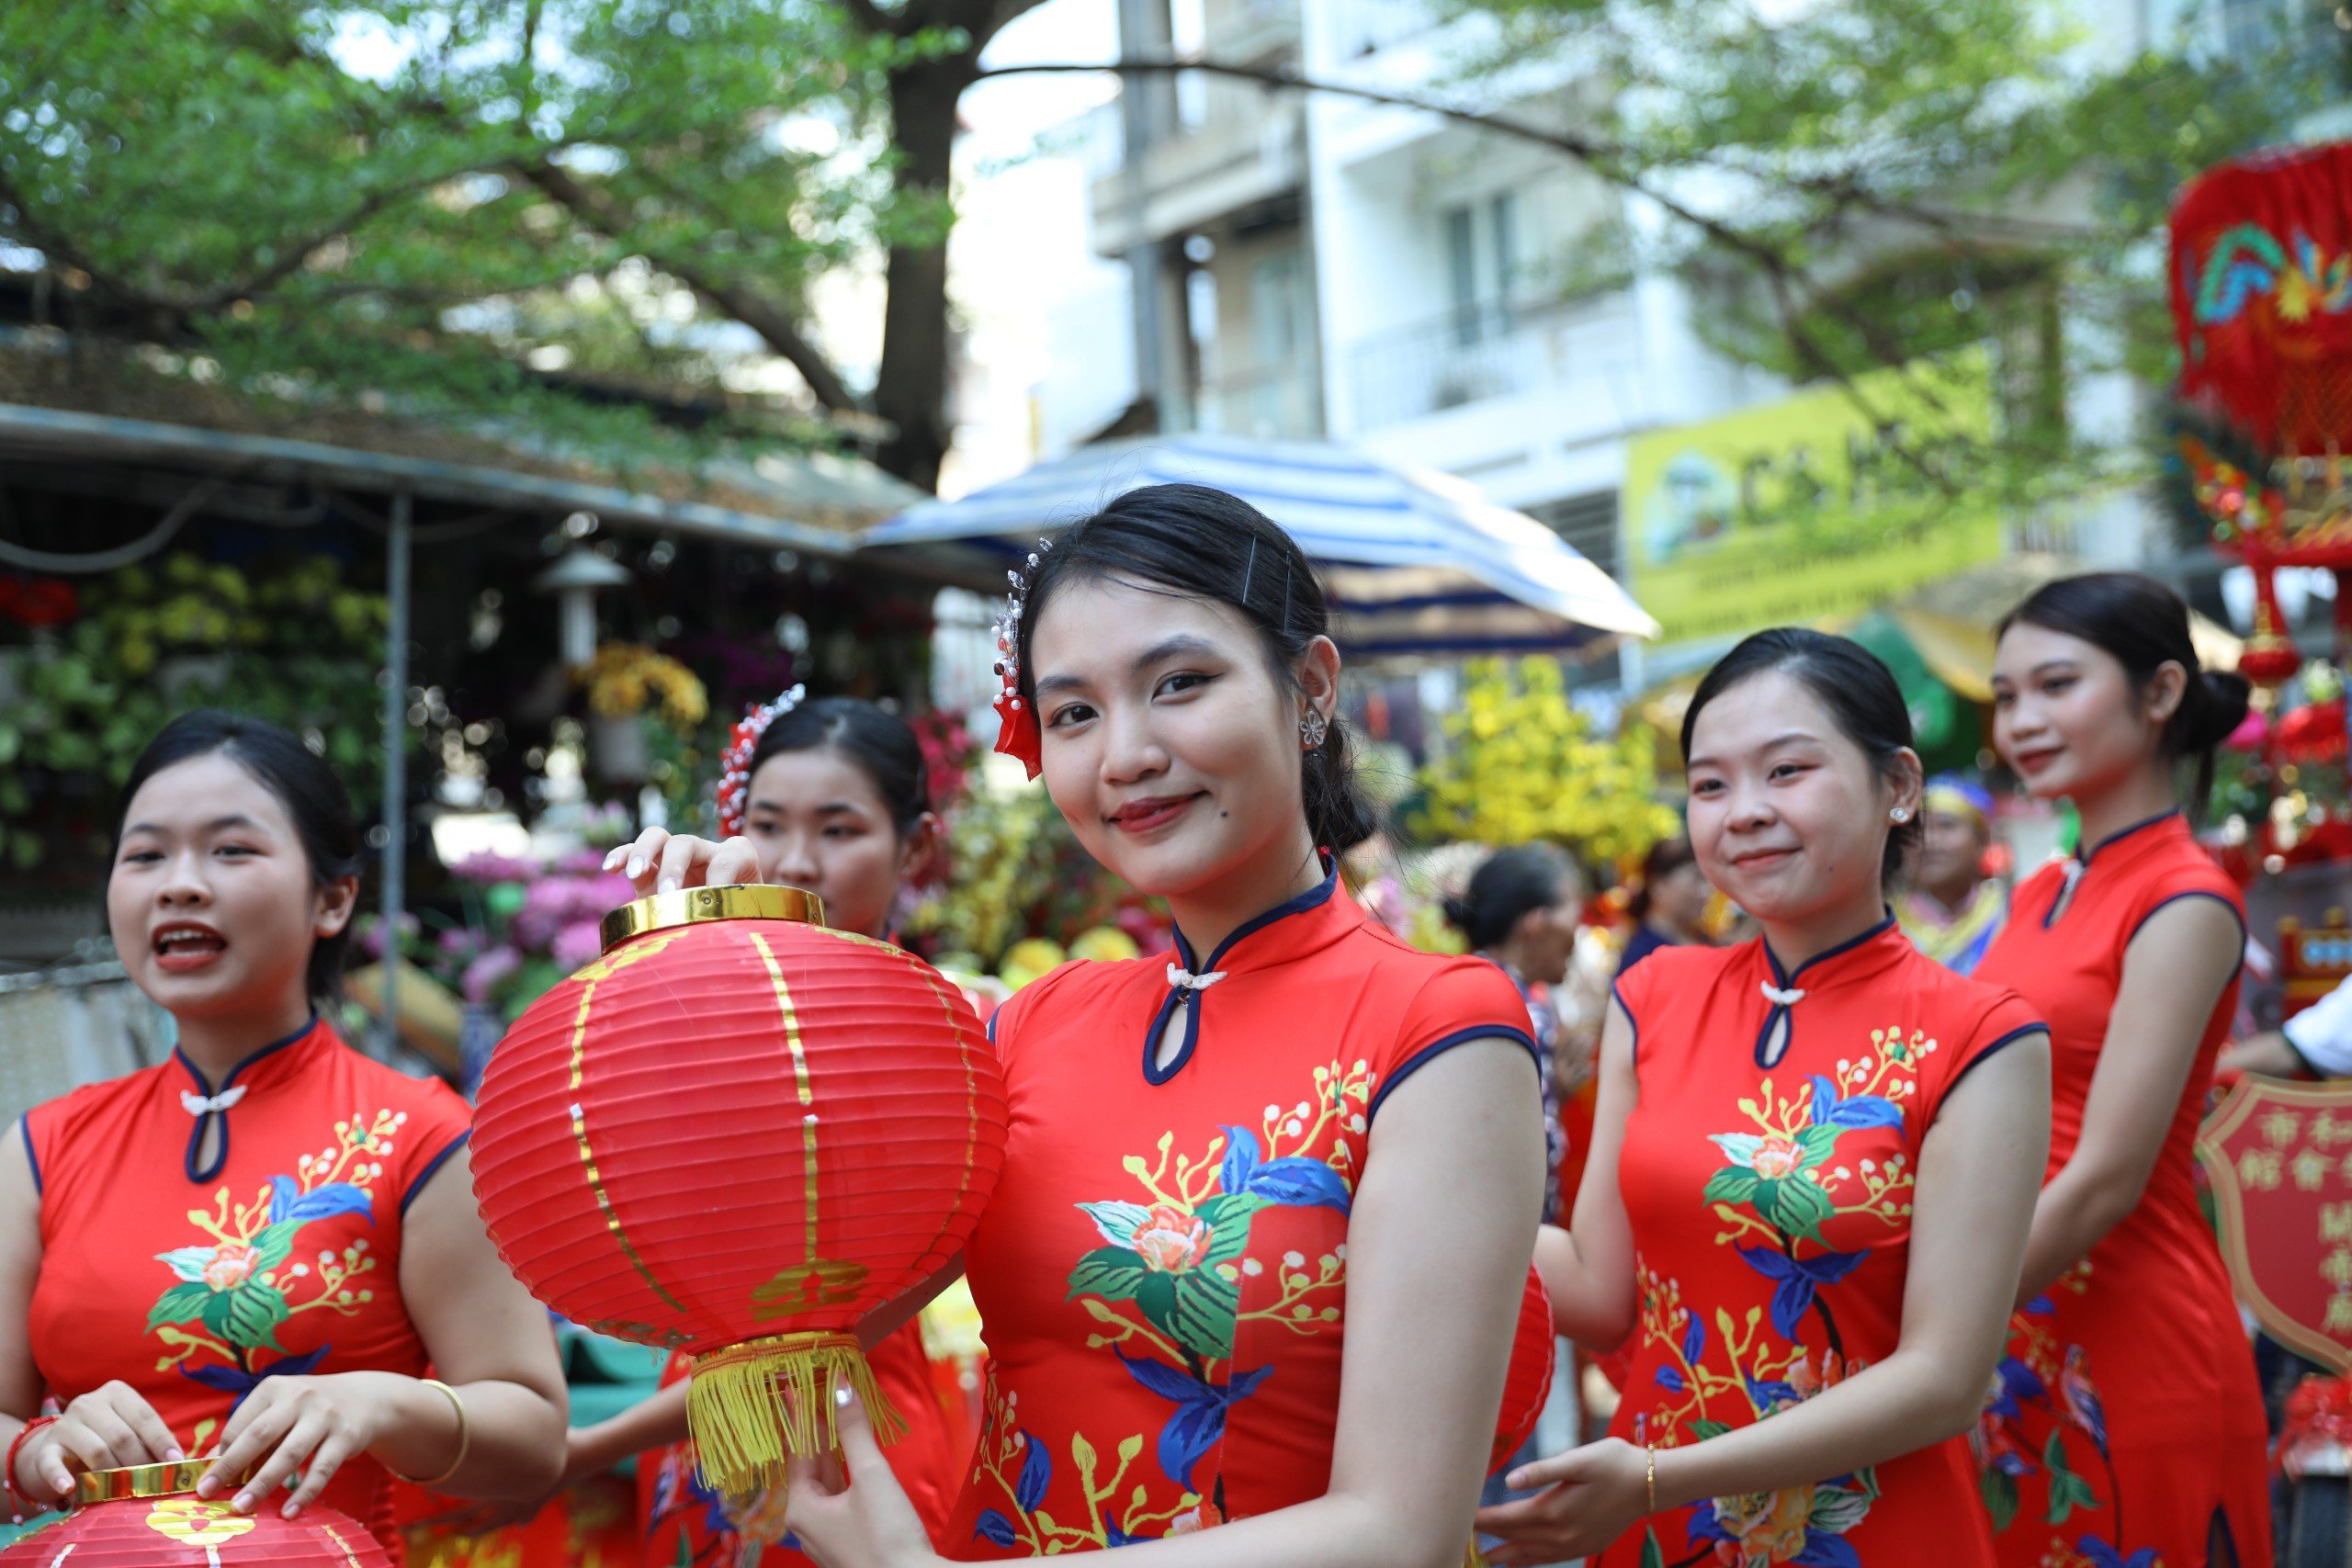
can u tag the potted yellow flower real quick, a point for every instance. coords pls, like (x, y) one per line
(629, 685)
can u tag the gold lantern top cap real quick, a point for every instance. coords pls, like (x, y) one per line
(686, 906)
(139, 1481)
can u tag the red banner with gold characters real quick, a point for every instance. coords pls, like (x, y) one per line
(2279, 1155)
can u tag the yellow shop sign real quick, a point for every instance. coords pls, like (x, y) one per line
(1811, 506)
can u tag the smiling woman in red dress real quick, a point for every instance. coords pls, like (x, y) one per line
(264, 1242)
(2124, 1429)
(1249, 1277)
(1812, 1173)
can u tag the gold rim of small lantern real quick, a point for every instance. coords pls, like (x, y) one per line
(166, 1480)
(686, 906)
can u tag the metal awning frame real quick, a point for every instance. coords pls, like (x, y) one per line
(49, 435)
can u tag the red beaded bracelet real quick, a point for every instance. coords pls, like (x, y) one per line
(30, 1428)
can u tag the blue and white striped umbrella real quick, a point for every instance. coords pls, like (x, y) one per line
(1414, 563)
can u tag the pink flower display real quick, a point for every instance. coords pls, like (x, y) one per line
(485, 974)
(577, 944)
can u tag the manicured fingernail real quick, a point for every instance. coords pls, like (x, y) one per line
(172, 1455)
(613, 855)
(841, 1395)
(635, 867)
(669, 885)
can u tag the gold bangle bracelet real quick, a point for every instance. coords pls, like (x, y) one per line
(1650, 1454)
(465, 1438)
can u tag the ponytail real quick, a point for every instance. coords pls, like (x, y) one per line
(1339, 813)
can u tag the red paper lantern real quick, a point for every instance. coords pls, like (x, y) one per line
(2313, 733)
(2270, 659)
(1528, 1384)
(736, 1135)
(148, 1516)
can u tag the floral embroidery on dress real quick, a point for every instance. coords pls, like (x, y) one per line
(1023, 1470)
(1782, 1182)
(739, 1533)
(1165, 1287)
(2041, 1375)
(233, 1292)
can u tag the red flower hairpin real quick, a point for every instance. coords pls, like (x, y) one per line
(1017, 734)
(735, 762)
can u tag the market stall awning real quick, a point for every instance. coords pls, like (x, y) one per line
(1414, 563)
(1947, 630)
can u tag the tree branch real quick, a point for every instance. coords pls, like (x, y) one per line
(294, 257)
(775, 327)
(1787, 281)
(872, 18)
(62, 251)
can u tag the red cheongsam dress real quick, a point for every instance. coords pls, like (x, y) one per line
(688, 1524)
(1162, 1269)
(197, 1239)
(1768, 1173)
(2124, 1429)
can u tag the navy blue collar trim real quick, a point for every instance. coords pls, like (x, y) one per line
(2123, 834)
(211, 1171)
(1315, 898)
(1779, 1016)
(2082, 865)
(1784, 979)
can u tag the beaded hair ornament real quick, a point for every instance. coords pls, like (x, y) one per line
(1017, 734)
(735, 762)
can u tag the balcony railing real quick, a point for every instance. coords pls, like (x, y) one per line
(1476, 352)
(1271, 402)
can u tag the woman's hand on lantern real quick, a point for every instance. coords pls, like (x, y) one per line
(663, 862)
(109, 1427)
(861, 1519)
(1592, 1495)
(309, 1424)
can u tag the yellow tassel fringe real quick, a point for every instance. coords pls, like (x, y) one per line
(752, 1407)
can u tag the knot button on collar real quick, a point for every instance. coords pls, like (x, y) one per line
(1184, 979)
(199, 1105)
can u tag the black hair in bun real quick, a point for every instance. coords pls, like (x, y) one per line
(1505, 887)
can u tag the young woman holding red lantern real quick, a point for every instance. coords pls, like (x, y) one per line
(2125, 1424)
(1254, 1259)
(257, 1249)
(834, 797)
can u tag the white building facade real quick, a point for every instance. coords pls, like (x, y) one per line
(1438, 294)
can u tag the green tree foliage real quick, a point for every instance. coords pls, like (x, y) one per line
(459, 206)
(1855, 184)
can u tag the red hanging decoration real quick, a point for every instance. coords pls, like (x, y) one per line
(2270, 657)
(737, 1133)
(2261, 286)
(148, 1516)
(1528, 1384)
(39, 600)
(2313, 733)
